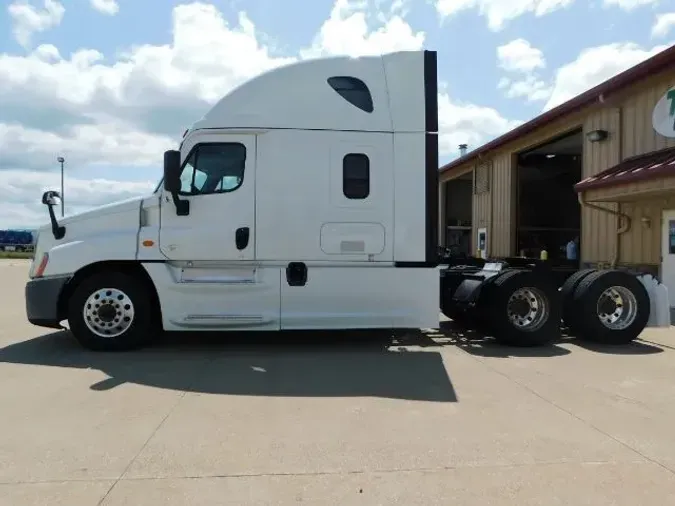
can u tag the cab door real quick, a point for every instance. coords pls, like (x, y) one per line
(218, 180)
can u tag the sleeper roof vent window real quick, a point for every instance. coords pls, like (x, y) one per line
(353, 90)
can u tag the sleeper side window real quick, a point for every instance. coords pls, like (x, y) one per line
(214, 168)
(356, 176)
(353, 90)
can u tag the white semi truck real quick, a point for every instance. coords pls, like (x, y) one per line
(306, 198)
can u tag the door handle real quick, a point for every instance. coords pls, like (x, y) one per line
(241, 237)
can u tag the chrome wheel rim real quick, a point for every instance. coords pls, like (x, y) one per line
(527, 309)
(108, 312)
(617, 308)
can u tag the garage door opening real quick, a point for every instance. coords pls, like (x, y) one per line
(458, 212)
(549, 214)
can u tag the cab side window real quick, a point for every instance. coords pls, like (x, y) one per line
(213, 168)
(356, 176)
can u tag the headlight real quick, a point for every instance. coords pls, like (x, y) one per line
(38, 271)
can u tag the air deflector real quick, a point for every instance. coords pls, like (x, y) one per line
(431, 162)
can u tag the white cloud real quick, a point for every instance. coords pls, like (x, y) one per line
(110, 142)
(28, 19)
(629, 5)
(499, 12)
(530, 87)
(127, 111)
(462, 123)
(346, 31)
(109, 7)
(519, 56)
(663, 24)
(594, 66)
(21, 207)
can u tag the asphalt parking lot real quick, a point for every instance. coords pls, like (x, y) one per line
(415, 419)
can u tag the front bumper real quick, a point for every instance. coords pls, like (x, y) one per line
(42, 300)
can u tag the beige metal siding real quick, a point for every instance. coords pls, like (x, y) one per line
(482, 204)
(641, 244)
(598, 229)
(628, 118)
(503, 206)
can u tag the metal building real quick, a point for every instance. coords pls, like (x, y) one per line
(598, 170)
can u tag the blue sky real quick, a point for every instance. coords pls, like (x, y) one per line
(112, 116)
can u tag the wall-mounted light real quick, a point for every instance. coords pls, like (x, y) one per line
(646, 221)
(597, 135)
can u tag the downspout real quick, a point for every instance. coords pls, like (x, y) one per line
(624, 225)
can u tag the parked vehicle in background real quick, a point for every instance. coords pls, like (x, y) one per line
(17, 240)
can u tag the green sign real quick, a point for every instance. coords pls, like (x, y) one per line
(663, 117)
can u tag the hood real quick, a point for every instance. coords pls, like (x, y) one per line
(120, 206)
(104, 210)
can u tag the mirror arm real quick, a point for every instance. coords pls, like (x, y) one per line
(59, 231)
(182, 206)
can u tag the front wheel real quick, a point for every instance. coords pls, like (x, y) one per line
(111, 311)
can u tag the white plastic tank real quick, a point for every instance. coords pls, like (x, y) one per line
(659, 316)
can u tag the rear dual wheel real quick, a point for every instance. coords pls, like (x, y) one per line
(570, 314)
(608, 307)
(521, 308)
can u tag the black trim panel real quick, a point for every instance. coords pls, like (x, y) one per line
(431, 91)
(431, 200)
(414, 265)
(431, 158)
(42, 300)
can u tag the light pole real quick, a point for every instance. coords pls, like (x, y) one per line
(61, 160)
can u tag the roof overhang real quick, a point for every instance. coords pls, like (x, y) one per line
(654, 165)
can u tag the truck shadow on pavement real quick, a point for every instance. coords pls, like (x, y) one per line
(325, 364)
(397, 365)
(478, 344)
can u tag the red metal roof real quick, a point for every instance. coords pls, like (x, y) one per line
(653, 65)
(638, 168)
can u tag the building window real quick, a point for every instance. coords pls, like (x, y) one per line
(213, 168)
(353, 90)
(481, 181)
(356, 176)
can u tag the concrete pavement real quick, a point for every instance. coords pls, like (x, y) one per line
(323, 419)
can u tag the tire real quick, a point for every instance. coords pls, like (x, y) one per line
(569, 308)
(523, 309)
(628, 319)
(133, 302)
